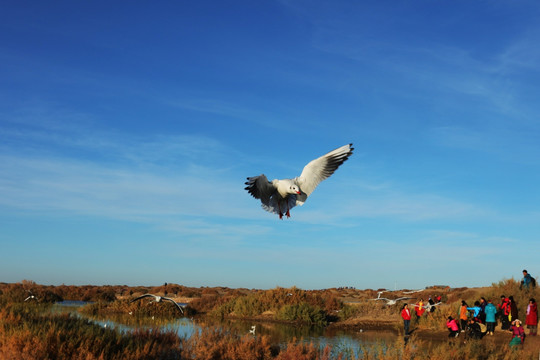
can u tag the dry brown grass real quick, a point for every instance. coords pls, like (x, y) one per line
(26, 335)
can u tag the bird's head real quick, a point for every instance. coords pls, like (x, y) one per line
(294, 189)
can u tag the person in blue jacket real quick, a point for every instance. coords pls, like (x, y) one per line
(490, 312)
(526, 282)
(476, 310)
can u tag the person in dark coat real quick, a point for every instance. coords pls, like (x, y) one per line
(513, 308)
(476, 330)
(504, 312)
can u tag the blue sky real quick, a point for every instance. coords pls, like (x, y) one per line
(127, 132)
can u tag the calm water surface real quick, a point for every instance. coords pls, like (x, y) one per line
(340, 340)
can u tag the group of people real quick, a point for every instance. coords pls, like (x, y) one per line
(480, 320)
(419, 308)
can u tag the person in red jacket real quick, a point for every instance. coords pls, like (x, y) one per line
(406, 315)
(532, 317)
(504, 311)
(419, 309)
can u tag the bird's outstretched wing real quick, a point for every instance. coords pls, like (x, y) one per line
(429, 306)
(320, 169)
(260, 188)
(174, 302)
(413, 291)
(404, 298)
(142, 297)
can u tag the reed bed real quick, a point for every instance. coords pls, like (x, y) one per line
(27, 333)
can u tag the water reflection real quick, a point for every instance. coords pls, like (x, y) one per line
(344, 341)
(350, 343)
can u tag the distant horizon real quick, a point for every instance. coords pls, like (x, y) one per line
(257, 288)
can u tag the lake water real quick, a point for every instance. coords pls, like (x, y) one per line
(340, 340)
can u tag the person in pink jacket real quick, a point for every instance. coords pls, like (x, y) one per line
(453, 327)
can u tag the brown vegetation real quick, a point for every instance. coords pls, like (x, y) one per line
(28, 332)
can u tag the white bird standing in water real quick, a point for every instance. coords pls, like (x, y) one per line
(279, 196)
(159, 299)
(252, 331)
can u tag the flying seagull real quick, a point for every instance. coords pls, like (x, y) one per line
(279, 196)
(30, 297)
(413, 291)
(430, 306)
(392, 301)
(159, 299)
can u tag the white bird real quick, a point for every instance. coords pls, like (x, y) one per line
(392, 301)
(429, 306)
(159, 299)
(279, 196)
(252, 331)
(413, 291)
(30, 297)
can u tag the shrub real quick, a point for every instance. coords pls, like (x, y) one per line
(302, 312)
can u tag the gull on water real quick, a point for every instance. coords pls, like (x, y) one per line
(280, 196)
(158, 298)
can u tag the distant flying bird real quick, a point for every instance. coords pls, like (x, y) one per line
(279, 196)
(392, 301)
(413, 291)
(30, 297)
(159, 299)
